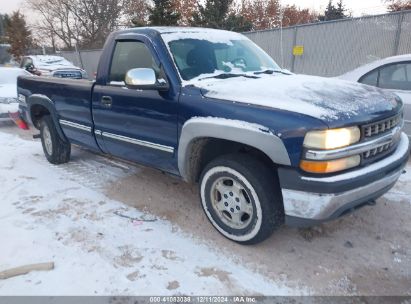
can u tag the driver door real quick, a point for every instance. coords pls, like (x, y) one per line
(137, 125)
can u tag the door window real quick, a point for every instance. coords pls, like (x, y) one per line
(130, 55)
(370, 78)
(395, 76)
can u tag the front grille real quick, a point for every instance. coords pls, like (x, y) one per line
(376, 129)
(381, 127)
(377, 151)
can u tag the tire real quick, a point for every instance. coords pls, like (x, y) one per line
(56, 150)
(241, 198)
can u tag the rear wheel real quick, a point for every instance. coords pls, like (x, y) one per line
(56, 150)
(241, 198)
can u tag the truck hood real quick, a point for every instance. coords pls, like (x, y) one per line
(335, 102)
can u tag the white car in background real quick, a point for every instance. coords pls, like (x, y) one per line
(9, 102)
(393, 74)
(53, 66)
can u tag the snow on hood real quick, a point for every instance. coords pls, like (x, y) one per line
(323, 98)
(8, 90)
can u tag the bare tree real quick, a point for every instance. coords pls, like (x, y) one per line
(263, 14)
(398, 5)
(86, 23)
(186, 8)
(56, 20)
(136, 12)
(292, 15)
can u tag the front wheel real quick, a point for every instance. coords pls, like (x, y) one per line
(241, 198)
(56, 150)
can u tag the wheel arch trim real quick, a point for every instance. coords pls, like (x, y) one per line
(254, 135)
(44, 101)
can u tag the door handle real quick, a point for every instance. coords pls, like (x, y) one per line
(106, 101)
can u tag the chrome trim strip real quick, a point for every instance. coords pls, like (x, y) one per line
(75, 125)
(98, 132)
(322, 206)
(403, 149)
(139, 142)
(354, 149)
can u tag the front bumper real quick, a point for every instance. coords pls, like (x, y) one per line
(312, 200)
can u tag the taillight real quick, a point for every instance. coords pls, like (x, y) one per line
(18, 121)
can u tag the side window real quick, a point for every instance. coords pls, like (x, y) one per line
(26, 61)
(370, 78)
(396, 76)
(130, 55)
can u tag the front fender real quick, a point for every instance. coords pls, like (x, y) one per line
(250, 134)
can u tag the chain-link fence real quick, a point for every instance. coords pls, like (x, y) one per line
(330, 48)
(88, 60)
(335, 47)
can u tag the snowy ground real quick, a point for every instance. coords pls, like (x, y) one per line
(7, 108)
(59, 214)
(73, 215)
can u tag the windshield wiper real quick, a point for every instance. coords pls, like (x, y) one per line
(270, 72)
(228, 75)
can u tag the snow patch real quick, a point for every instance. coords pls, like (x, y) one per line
(48, 216)
(9, 108)
(8, 91)
(211, 35)
(323, 98)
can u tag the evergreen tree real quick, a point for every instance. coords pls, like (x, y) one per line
(3, 22)
(18, 35)
(163, 13)
(333, 12)
(212, 14)
(219, 14)
(237, 23)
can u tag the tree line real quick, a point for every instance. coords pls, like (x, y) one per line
(64, 24)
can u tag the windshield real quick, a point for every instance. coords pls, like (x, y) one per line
(9, 75)
(231, 53)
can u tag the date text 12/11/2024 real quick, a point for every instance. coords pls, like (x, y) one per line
(203, 299)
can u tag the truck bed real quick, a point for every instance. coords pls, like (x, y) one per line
(72, 100)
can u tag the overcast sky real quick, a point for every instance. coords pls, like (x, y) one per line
(358, 7)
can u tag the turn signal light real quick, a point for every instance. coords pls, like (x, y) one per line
(331, 165)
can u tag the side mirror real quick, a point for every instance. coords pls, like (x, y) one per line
(145, 79)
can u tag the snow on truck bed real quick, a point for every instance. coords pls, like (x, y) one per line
(57, 213)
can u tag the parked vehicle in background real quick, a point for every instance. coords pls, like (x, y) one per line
(266, 147)
(53, 66)
(393, 74)
(8, 91)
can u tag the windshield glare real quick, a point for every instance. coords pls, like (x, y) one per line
(197, 57)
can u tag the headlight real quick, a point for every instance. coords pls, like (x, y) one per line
(330, 166)
(332, 139)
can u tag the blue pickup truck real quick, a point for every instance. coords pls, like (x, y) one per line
(265, 146)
